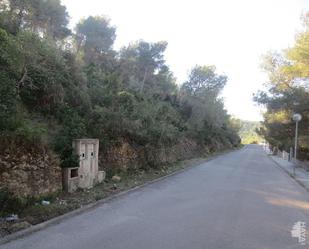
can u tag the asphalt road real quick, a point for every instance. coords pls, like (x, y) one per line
(238, 200)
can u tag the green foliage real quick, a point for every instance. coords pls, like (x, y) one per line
(156, 122)
(95, 37)
(203, 110)
(46, 17)
(203, 80)
(10, 55)
(30, 132)
(288, 93)
(9, 204)
(46, 75)
(9, 71)
(90, 90)
(68, 158)
(248, 132)
(73, 127)
(8, 109)
(144, 70)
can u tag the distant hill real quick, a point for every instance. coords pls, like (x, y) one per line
(248, 132)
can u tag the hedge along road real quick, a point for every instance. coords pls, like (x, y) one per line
(238, 200)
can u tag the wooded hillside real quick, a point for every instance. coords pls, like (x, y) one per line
(59, 84)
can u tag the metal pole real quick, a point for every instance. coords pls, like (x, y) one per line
(291, 154)
(295, 148)
(296, 139)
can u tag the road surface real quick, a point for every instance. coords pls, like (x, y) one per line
(240, 200)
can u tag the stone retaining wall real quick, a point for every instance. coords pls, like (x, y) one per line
(126, 155)
(27, 171)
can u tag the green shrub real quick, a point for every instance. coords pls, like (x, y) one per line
(9, 204)
(73, 128)
(68, 158)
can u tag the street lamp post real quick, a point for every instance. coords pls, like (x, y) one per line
(297, 118)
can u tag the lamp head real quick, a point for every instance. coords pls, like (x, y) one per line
(297, 117)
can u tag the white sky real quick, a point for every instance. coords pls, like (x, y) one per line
(231, 34)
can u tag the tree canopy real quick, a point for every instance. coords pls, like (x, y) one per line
(45, 17)
(288, 93)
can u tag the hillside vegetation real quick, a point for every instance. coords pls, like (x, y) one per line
(59, 84)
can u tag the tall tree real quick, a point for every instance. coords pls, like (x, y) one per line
(203, 109)
(95, 38)
(288, 93)
(203, 79)
(45, 17)
(143, 68)
(50, 18)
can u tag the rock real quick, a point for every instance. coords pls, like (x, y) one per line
(101, 176)
(5, 175)
(116, 178)
(12, 217)
(45, 203)
(19, 226)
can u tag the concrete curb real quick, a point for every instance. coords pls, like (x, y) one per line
(91, 206)
(290, 174)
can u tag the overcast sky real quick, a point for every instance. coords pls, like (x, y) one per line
(229, 34)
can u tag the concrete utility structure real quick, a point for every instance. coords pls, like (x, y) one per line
(87, 174)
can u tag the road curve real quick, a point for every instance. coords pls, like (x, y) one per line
(240, 200)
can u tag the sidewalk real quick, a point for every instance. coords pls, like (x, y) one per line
(301, 175)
